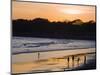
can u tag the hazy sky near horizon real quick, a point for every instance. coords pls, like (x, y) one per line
(53, 12)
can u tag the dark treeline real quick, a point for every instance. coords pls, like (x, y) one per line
(40, 27)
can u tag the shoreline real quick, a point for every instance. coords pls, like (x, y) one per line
(44, 64)
(49, 54)
(16, 53)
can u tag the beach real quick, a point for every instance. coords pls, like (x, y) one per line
(60, 60)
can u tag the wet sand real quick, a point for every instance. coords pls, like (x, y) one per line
(51, 61)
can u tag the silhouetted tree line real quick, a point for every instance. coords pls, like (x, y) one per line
(40, 27)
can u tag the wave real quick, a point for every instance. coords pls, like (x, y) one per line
(23, 44)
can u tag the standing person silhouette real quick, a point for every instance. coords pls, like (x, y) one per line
(78, 60)
(38, 55)
(84, 59)
(68, 61)
(72, 60)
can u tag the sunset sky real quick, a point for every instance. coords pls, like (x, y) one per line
(53, 12)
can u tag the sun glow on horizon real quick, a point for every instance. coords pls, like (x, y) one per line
(71, 11)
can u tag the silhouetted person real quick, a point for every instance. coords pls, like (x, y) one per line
(78, 60)
(38, 55)
(84, 59)
(72, 60)
(68, 61)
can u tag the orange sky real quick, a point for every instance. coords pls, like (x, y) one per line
(53, 12)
